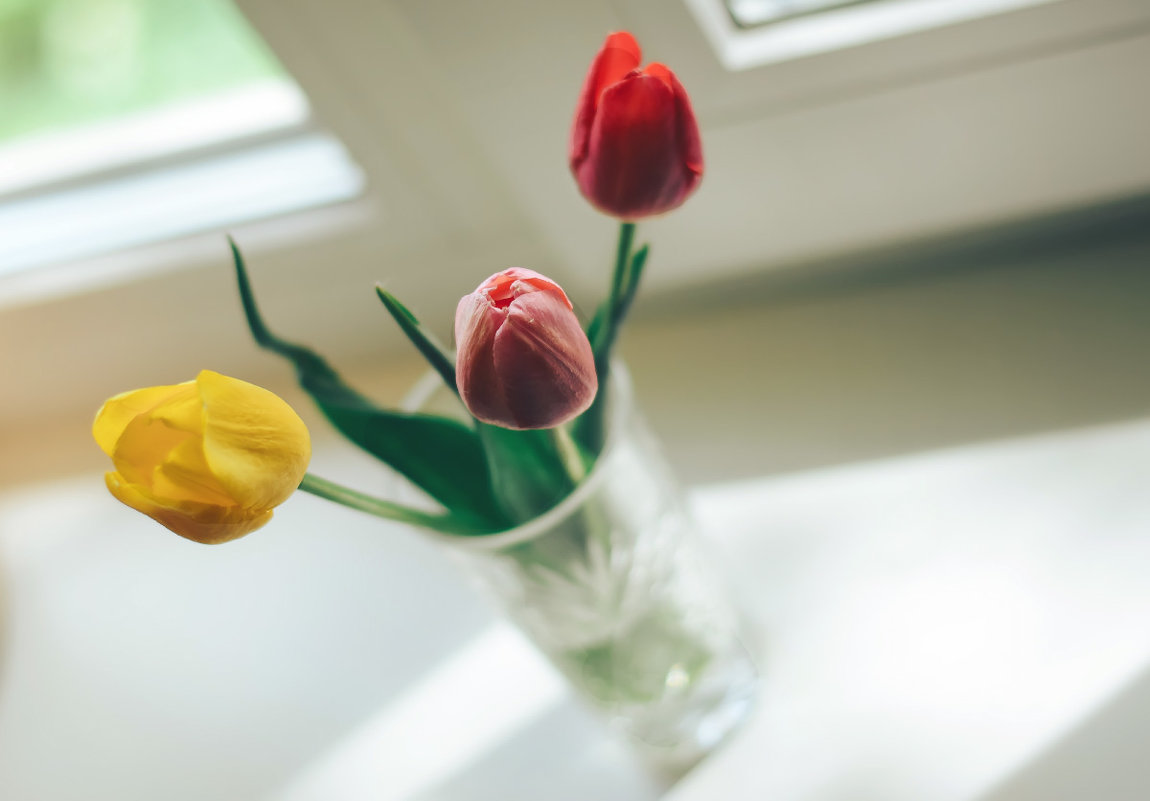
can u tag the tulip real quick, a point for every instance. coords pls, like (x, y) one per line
(635, 149)
(210, 459)
(523, 359)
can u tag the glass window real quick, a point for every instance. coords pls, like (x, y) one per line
(127, 122)
(68, 63)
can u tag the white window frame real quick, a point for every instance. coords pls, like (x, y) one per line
(1008, 116)
(208, 164)
(272, 107)
(449, 131)
(741, 48)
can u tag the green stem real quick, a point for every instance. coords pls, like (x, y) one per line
(622, 257)
(570, 454)
(599, 332)
(443, 523)
(604, 330)
(623, 304)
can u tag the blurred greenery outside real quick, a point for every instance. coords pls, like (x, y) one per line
(67, 63)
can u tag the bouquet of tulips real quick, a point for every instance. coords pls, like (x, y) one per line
(211, 458)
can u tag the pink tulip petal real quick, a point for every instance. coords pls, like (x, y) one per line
(502, 287)
(523, 360)
(476, 322)
(544, 362)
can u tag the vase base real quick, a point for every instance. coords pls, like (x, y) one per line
(674, 737)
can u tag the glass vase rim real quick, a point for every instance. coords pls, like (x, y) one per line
(620, 408)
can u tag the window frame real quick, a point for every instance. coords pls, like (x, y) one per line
(49, 178)
(741, 47)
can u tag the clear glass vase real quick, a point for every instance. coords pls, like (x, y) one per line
(614, 586)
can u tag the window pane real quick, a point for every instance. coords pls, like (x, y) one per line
(67, 63)
(127, 122)
(749, 13)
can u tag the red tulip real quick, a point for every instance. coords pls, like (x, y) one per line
(523, 360)
(635, 149)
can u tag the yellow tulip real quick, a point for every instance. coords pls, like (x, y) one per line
(210, 459)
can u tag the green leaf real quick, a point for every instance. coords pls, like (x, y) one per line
(435, 353)
(634, 276)
(527, 474)
(526, 471)
(597, 328)
(442, 457)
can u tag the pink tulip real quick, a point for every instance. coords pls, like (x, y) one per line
(523, 360)
(635, 149)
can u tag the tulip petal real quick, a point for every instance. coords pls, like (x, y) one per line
(185, 475)
(117, 412)
(619, 56)
(636, 169)
(660, 71)
(690, 143)
(254, 443)
(476, 321)
(544, 362)
(162, 441)
(526, 385)
(183, 411)
(199, 522)
(147, 439)
(635, 149)
(503, 287)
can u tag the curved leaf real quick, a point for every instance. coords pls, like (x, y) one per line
(442, 457)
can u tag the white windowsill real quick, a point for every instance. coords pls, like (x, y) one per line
(934, 623)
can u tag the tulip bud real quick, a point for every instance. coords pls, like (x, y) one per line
(635, 149)
(208, 458)
(523, 360)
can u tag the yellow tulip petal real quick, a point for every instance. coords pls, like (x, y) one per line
(255, 444)
(117, 412)
(183, 411)
(184, 475)
(147, 439)
(199, 522)
(208, 459)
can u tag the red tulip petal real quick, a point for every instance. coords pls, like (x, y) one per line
(634, 167)
(691, 145)
(660, 71)
(619, 56)
(635, 149)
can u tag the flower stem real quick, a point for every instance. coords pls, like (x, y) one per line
(443, 523)
(570, 454)
(604, 330)
(622, 257)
